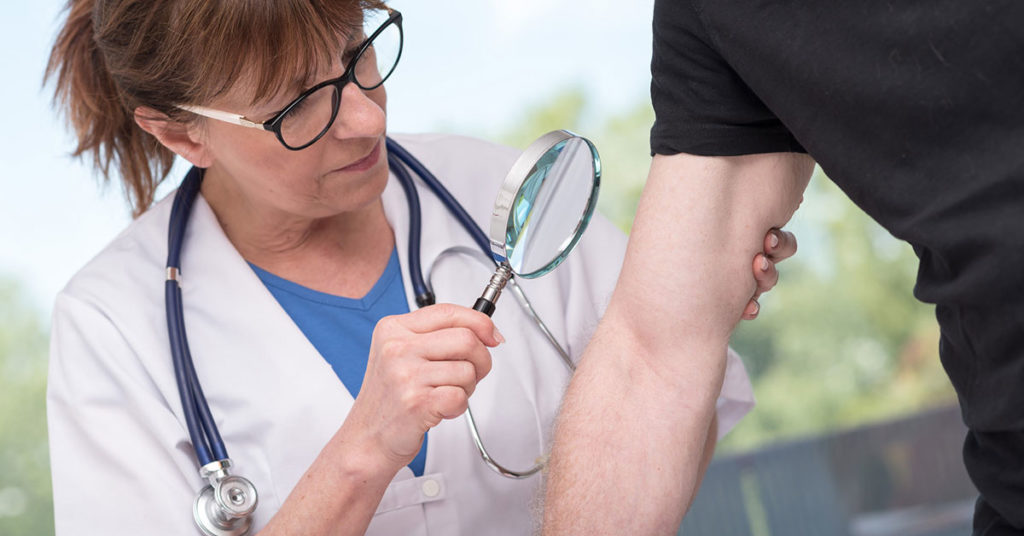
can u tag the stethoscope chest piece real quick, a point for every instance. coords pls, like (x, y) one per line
(225, 507)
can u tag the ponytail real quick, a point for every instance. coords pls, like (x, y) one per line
(114, 56)
(101, 116)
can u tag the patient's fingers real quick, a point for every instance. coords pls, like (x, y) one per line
(779, 245)
(766, 277)
(750, 312)
(765, 274)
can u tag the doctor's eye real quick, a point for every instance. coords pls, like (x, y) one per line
(379, 59)
(348, 55)
(310, 117)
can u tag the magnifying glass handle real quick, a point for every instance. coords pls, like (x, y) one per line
(485, 303)
(484, 306)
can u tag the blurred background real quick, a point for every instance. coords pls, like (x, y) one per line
(856, 430)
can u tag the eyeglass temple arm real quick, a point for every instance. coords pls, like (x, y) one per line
(222, 116)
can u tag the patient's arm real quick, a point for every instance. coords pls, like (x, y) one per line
(630, 442)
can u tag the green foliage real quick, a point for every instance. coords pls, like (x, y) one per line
(564, 110)
(26, 506)
(840, 341)
(621, 141)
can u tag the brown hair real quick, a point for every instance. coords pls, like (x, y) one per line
(112, 56)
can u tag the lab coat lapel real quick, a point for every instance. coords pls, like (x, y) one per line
(507, 398)
(265, 382)
(440, 230)
(396, 210)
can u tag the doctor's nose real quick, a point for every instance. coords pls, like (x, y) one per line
(361, 113)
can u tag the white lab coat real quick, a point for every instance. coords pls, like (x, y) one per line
(121, 456)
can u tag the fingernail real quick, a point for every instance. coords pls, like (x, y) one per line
(764, 263)
(757, 307)
(497, 336)
(775, 240)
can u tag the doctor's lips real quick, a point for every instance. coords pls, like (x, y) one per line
(365, 162)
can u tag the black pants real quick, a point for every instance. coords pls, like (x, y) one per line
(982, 349)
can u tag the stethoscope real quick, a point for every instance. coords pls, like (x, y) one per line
(225, 506)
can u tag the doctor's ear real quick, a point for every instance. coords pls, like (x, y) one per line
(185, 139)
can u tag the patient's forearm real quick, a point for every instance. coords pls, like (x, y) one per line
(630, 439)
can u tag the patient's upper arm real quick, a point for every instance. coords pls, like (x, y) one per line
(700, 222)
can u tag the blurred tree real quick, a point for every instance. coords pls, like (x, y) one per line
(564, 110)
(840, 341)
(26, 505)
(621, 141)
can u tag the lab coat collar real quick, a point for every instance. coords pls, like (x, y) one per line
(230, 314)
(440, 230)
(266, 383)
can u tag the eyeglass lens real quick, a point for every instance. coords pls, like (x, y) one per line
(312, 116)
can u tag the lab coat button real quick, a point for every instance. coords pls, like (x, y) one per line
(430, 488)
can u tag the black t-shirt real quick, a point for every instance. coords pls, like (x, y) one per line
(916, 110)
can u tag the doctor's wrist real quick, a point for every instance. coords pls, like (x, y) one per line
(358, 456)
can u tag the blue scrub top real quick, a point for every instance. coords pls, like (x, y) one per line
(341, 328)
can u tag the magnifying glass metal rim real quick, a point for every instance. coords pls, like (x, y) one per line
(517, 175)
(500, 218)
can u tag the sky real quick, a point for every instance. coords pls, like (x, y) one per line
(468, 67)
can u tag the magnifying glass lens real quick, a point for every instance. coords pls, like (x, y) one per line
(542, 209)
(552, 207)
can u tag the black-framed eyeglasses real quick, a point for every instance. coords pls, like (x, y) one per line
(307, 118)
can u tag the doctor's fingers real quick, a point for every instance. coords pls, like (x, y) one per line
(446, 315)
(460, 374)
(448, 402)
(455, 344)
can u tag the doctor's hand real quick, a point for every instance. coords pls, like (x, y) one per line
(422, 368)
(779, 245)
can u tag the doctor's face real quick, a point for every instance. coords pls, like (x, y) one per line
(344, 170)
(329, 166)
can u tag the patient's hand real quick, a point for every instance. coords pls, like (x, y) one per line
(778, 246)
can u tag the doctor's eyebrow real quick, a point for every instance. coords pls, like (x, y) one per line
(349, 52)
(349, 40)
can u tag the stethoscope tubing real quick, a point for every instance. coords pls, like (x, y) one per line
(202, 429)
(487, 261)
(442, 193)
(424, 296)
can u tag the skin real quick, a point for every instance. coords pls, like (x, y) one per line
(655, 365)
(300, 215)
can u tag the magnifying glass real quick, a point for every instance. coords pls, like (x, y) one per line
(542, 209)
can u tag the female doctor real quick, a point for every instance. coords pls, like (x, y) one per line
(323, 376)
